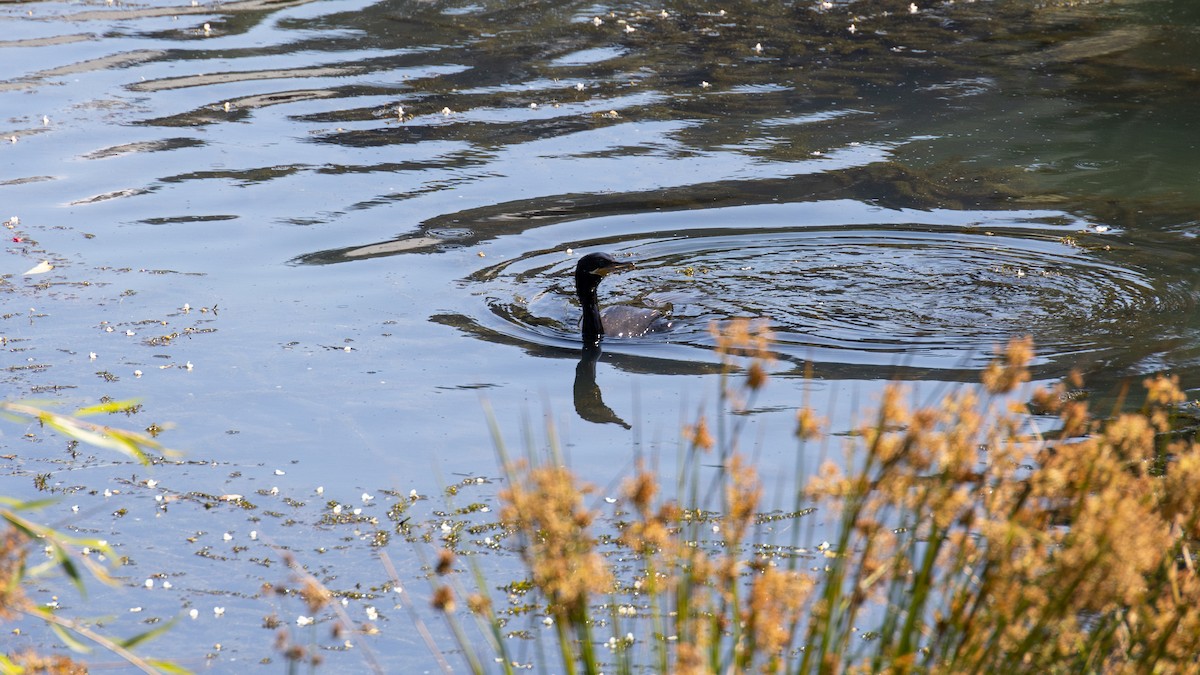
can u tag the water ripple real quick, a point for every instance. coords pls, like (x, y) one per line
(881, 294)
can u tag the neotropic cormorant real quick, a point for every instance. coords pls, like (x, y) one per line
(616, 321)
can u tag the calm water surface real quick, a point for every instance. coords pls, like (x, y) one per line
(316, 236)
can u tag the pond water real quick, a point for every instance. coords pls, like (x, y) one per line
(316, 237)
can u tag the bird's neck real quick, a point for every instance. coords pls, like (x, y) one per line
(592, 327)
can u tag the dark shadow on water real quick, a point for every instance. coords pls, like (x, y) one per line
(887, 185)
(634, 363)
(688, 359)
(589, 400)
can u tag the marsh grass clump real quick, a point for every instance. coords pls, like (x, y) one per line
(966, 541)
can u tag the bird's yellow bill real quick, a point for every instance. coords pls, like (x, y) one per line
(618, 267)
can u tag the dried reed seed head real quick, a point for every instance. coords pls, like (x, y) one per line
(829, 482)
(1075, 418)
(892, 409)
(1048, 400)
(1132, 436)
(546, 495)
(546, 504)
(743, 337)
(641, 489)
(1163, 390)
(742, 492)
(315, 595)
(1019, 351)
(445, 562)
(950, 506)
(1179, 501)
(729, 572)
(808, 425)
(443, 599)
(295, 653)
(13, 552)
(923, 423)
(1161, 420)
(30, 661)
(1075, 379)
(479, 604)
(568, 577)
(774, 606)
(689, 660)
(756, 376)
(702, 566)
(1111, 574)
(670, 513)
(698, 435)
(890, 448)
(1009, 370)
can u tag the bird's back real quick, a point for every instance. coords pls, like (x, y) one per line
(624, 321)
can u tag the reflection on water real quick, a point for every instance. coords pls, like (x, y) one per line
(589, 400)
(386, 200)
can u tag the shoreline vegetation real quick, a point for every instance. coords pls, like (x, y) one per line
(970, 535)
(967, 541)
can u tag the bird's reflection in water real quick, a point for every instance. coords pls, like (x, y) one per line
(589, 401)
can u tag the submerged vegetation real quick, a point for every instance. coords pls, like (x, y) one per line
(967, 540)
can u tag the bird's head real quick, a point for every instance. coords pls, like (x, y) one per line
(598, 265)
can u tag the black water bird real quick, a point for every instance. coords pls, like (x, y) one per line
(618, 321)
